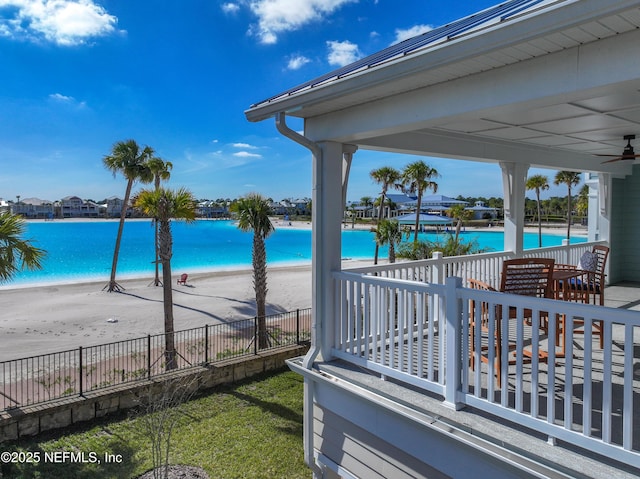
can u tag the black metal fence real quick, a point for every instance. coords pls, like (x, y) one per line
(75, 372)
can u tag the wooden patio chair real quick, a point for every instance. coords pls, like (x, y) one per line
(527, 277)
(587, 286)
(481, 327)
(183, 279)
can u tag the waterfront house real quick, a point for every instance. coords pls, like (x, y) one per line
(33, 208)
(76, 207)
(389, 388)
(112, 207)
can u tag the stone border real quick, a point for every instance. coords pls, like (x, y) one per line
(32, 420)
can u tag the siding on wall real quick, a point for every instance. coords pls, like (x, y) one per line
(625, 228)
(372, 440)
(364, 454)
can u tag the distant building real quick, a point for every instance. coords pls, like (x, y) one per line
(112, 208)
(33, 208)
(291, 207)
(211, 209)
(437, 203)
(76, 207)
(482, 212)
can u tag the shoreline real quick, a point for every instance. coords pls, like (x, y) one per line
(577, 231)
(51, 317)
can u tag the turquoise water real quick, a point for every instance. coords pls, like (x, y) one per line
(83, 251)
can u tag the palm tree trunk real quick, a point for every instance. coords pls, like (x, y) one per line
(569, 215)
(157, 261)
(419, 205)
(166, 247)
(113, 285)
(380, 215)
(392, 253)
(539, 219)
(155, 220)
(260, 286)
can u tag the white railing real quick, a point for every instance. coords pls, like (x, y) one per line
(485, 266)
(383, 327)
(419, 333)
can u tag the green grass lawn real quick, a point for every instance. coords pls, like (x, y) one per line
(251, 429)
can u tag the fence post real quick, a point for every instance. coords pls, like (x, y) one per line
(437, 275)
(452, 326)
(80, 374)
(206, 344)
(298, 326)
(567, 251)
(148, 356)
(255, 335)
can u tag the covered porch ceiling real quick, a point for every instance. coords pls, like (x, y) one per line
(551, 86)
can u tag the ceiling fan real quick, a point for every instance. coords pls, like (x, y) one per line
(627, 154)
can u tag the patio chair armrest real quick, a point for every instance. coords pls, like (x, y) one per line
(565, 267)
(477, 284)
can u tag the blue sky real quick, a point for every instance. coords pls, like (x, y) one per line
(76, 76)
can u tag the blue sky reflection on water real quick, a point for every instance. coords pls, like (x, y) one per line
(81, 251)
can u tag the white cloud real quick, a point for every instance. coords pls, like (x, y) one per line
(64, 22)
(402, 35)
(277, 16)
(342, 53)
(297, 61)
(230, 8)
(61, 97)
(67, 100)
(245, 145)
(246, 154)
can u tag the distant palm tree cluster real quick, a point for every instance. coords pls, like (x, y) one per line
(415, 179)
(540, 183)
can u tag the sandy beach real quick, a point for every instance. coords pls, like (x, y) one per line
(45, 319)
(54, 318)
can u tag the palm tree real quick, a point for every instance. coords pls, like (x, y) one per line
(385, 176)
(164, 204)
(582, 205)
(416, 179)
(460, 213)
(16, 253)
(253, 215)
(129, 159)
(569, 178)
(538, 183)
(367, 202)
(389, 232)
(161, 170)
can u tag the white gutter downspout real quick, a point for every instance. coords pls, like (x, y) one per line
(310, 357)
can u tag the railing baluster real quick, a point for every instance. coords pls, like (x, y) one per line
(80, 372)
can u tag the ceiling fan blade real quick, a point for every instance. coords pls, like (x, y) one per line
(619, 158)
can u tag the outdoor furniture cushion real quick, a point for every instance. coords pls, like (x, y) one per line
(588, 261)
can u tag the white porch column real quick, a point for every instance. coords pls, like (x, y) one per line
(514, 178)
(599, 205)
(327, 201)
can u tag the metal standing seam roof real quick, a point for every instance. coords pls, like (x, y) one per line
(484, 18)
